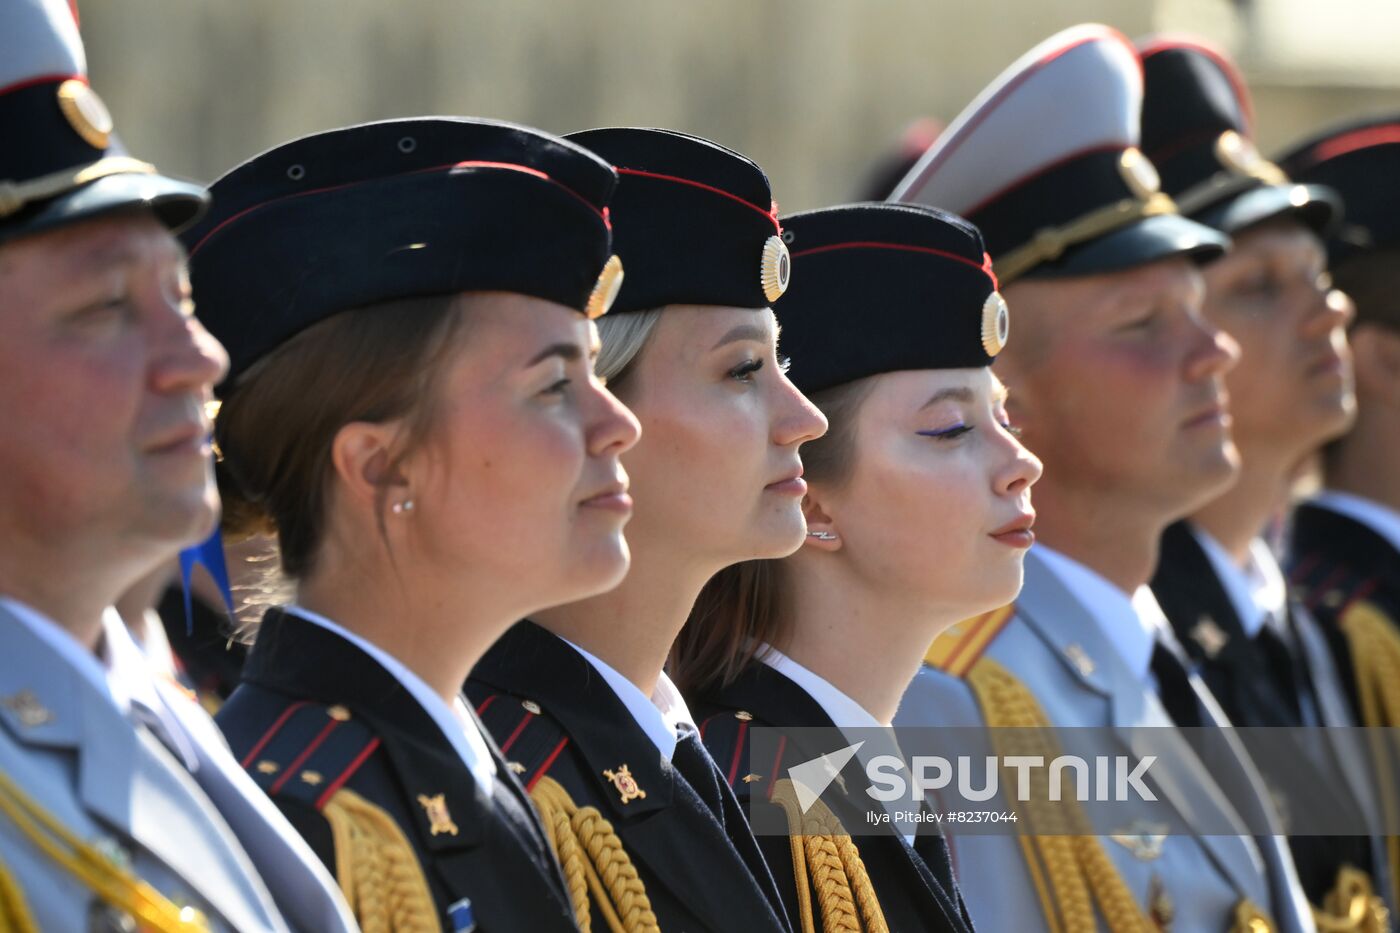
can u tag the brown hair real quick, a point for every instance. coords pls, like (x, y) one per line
(743, 607)
(1370, 279)
(274, 431)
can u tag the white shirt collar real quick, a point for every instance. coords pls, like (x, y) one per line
(455, 721)
(1127, 622)
(1381, 519)
(1257, 591)
(663, 716)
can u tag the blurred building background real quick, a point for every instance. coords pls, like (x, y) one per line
(815, 90)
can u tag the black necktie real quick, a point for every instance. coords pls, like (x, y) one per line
(1284, 666)
(1174, 688)
(698, 769)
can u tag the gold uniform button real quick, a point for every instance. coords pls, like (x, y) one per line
(531, 707)
(338, 713)
(743, 715)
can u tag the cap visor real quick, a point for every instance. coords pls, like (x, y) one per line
(1162, 236)
(176, 204)
(1315, 206)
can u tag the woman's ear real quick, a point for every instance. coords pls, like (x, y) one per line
(362, 456)
(821, 527)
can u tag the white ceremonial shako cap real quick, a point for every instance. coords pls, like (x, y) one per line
(1046, 163)
(61, 161)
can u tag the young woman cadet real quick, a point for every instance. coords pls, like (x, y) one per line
(576, 696)
(411, 409)
(918, 515)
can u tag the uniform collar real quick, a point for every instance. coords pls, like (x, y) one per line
(1128, 623)
(1257, 590)
(663, 716)
(456, 722)
(1381, 519)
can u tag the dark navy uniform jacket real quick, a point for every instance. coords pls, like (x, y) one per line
(1334, 562)
(554, 715)
(316, 714)
(915, 886)
(1258, 682)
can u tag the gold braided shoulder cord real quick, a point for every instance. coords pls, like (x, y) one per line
(116, 886)
(1374, 643)
(1069, 867)
(377, 868)
(825, 856)
(594, 861)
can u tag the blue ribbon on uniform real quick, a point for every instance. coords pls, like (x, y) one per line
(209, 555)
(460, 913)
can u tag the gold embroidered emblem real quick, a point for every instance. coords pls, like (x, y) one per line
(531, 707)
(267, 767)
(1080, 659)
(27, 709)
(338, 713)
(750, 778)
(1144, 840)
(311, 777)
(743, 715)
(1250, 919)
(516, 767)
(1210, 636)
(439, 818)
(626, 784)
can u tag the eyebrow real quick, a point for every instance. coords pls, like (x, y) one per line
(743, 332)
(958, 394)
(569, 351)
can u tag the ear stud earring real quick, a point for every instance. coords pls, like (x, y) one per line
(402, 508)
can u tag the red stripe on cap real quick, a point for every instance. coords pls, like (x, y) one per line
(984, 266)
(271, 731)
(345, 775)
(771, 214)
(449, 167)
(41, 79)
(1014, 84)
(1360, 139)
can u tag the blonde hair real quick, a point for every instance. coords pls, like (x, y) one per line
(623, 336)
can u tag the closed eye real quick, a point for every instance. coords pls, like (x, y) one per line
(957, 430)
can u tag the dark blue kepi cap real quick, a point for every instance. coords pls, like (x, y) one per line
(916, 285)
(1046, 163)
(1197, 126)
(399, 209)
(694, 222)
(62, 161)
(1360, 160)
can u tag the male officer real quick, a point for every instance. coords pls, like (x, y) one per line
(1217, 581)
(1118, 386)
(120, 807)
(1346, 541)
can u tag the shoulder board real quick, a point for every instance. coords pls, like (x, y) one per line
(1329, 587)
(956, 650)
(530, 739)
(726, 737)
(308, 752)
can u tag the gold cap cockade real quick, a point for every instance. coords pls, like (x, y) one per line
(775, 270)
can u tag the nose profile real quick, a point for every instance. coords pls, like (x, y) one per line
(1020, 471)
(1333, 309)
(797, 420)
(186, 357)
(613, 428)
(1214, 354)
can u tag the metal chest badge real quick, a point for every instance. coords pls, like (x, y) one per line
(438, 816)
(625, 784)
